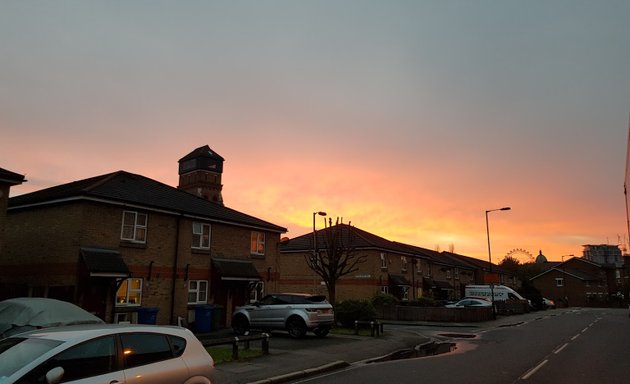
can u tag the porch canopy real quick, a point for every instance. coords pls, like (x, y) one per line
(399, 280)
(235, 270)
(102, 262)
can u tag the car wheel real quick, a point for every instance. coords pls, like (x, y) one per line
(296, 327)
(321, 332)
(240, 325)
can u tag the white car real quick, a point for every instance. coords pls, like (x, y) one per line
(296, 313)
(470, 302)
(106, 353)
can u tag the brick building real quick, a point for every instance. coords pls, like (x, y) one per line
(575, 282)
(405, 271)
(8, 179)
(121, 244)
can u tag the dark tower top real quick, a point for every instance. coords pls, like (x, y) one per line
(200, 174)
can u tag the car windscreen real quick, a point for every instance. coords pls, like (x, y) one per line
(15, 352)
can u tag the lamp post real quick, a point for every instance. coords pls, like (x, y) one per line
(314, 257)
(494, 311)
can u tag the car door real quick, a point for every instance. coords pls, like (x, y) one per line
(268, 312)
(148, 358)
(92, 362)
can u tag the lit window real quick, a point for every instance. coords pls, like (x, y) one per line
(130, 292)
(201, 236)
(134, 227)
(257, 246)
(197, 291)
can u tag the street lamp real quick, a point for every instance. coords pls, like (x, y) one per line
(494, 311)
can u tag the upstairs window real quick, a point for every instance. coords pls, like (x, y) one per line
(559, 282)
(201, 236)
(134, 227)
(257, 246)
(448, 274)
(383, 261)
(403, 263)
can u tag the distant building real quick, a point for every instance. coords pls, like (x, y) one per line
(603, 254)
(8, 179)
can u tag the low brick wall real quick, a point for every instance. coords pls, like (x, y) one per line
(437, 314)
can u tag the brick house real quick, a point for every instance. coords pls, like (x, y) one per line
(8, 179)
(405, 271)
(121, 244)
(575, 282)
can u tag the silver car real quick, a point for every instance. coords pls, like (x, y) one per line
(294, 312)
(106, 353)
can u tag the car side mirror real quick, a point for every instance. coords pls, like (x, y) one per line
(55, 375)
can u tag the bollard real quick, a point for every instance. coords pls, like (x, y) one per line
(265, 344)
(235, 349)
(372, 328)
(356, 327)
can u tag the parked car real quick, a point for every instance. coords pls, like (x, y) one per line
(26, 313)
(106, 353)
(294, 312)
(548, 303)
(470, 302)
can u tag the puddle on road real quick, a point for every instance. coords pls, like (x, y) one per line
(424, 350)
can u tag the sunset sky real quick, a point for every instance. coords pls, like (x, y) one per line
(409, 119)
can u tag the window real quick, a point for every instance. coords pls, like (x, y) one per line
(419, 267)
(92, 358)
(197, 291)
(257, 243)
(144, 348)
(384, 289)
(456, 273)
(256, 292)
(201, 236)
(403, 262)
(383, 261)
(134, 227)
(559, 282)
(130, 292)
(448, 274)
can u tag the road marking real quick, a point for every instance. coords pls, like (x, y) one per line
(575, 337)
(585, 329)
(561, 348)
(533, 370)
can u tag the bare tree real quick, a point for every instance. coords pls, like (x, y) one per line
(335, 255)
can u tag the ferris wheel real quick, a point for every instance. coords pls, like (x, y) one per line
(521, 255)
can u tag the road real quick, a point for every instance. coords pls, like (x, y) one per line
(577, 346)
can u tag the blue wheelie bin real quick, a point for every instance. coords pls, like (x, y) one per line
(203, 318)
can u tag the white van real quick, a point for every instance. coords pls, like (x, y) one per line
(501, 292)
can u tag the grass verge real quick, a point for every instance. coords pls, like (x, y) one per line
(222, 354)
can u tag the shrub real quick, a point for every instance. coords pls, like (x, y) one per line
(349, 311)
(381, 300)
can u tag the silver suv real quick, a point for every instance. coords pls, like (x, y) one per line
(294, 312)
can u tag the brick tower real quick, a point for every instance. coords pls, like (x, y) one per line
(200, 174)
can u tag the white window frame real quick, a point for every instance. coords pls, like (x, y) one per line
(130, 292)
(257, 243)
(137, 228)
(448, 274)
(383, 261)
(385, 289)
(403, 264)
(559, 281)
(257, 291)
(200, 289)
(201, 233)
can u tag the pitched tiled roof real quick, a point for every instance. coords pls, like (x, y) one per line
(11, 178)
(353, 237)
(127, 188)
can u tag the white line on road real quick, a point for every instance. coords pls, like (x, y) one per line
(575, 337)
(585, 329)
(533, 370)
(561, 348)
